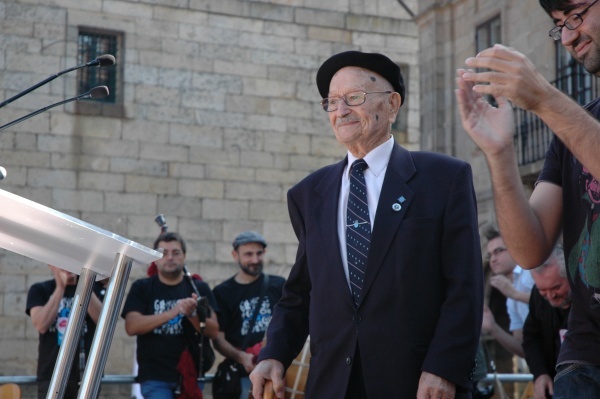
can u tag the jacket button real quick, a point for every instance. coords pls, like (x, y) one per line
(349, 360)
(357, 318)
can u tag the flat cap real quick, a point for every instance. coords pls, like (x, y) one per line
(247, 237)
(375, 62)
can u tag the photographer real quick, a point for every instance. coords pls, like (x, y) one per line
(161, 310)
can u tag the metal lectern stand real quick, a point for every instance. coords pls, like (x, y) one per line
(52, 237)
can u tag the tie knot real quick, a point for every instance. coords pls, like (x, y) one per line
(359, 165)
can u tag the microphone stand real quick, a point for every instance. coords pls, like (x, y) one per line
(96, 92)
(103, 60)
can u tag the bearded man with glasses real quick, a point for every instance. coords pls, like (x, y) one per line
(388, 277)
(566, 197)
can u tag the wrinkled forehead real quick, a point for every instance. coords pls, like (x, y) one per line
(357, 78)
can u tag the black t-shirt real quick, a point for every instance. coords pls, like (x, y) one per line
(541, 334)
(158, 351)
(581, 238)
(50, 341)
(236, 307)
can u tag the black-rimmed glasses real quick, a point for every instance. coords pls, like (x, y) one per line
(352, 99)
(570, 23)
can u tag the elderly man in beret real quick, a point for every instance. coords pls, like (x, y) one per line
(388, 278)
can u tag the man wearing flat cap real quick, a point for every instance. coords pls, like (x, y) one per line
(246, 302)
(388, 277)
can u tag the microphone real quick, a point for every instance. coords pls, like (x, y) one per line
(95, 93)
(101, 61)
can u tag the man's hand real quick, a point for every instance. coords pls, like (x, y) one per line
(508, 73)
(60, 276)
(487, 325)
(504, 285)
(491, 128)
(247, 360)
(434, 387)
(187, 306)
(268, 369)
(542, 385)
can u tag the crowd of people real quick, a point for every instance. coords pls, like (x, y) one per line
(388, 278)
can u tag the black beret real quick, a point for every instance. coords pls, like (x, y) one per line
(372, 61)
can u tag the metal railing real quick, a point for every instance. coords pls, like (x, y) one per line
(107, 379)
(532, 136)
(130, 379)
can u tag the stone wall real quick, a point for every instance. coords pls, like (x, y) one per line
(220, 117)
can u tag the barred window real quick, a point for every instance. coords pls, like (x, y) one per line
(91, 44)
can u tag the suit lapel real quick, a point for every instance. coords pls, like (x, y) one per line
(326, 215)
(395, 199)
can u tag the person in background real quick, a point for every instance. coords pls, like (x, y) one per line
(516, 284)
(49, 304)
(237, 299)
(566, 196)
(162, 311)
(546, 324)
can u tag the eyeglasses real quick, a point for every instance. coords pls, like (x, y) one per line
(570, 23)
(175, 253)
(497, 251)
(353, 99)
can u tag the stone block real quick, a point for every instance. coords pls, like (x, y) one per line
(271, 12)
(150, 184)
(269, 211)
(129, 203)
(187, 170)
(285, 29)
(240, 68)
(247, 104)
(220, 209)
(225, 173)
(180, 15)
(252, 191)
(286, 143)
(235, 23)
(147, 94)
(266, 122)
(257, 159)
(79, 200)
(338, 35)
(112, 148)
(138, 166)
(312, 16)
(100, 181)
(52, 178)
(291, 108)
(135, 73)
(139, 130)
(194, 135)
(163, 152)
(201, 188)
(214, 156)
(172, 205)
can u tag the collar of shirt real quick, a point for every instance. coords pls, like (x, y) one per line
(377, 159)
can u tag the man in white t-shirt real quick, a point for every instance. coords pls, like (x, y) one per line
(516, 284)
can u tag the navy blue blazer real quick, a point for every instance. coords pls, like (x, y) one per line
(422, 298)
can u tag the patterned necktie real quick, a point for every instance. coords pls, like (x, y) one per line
(358, 228)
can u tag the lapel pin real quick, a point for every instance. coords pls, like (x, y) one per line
(396, 206)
